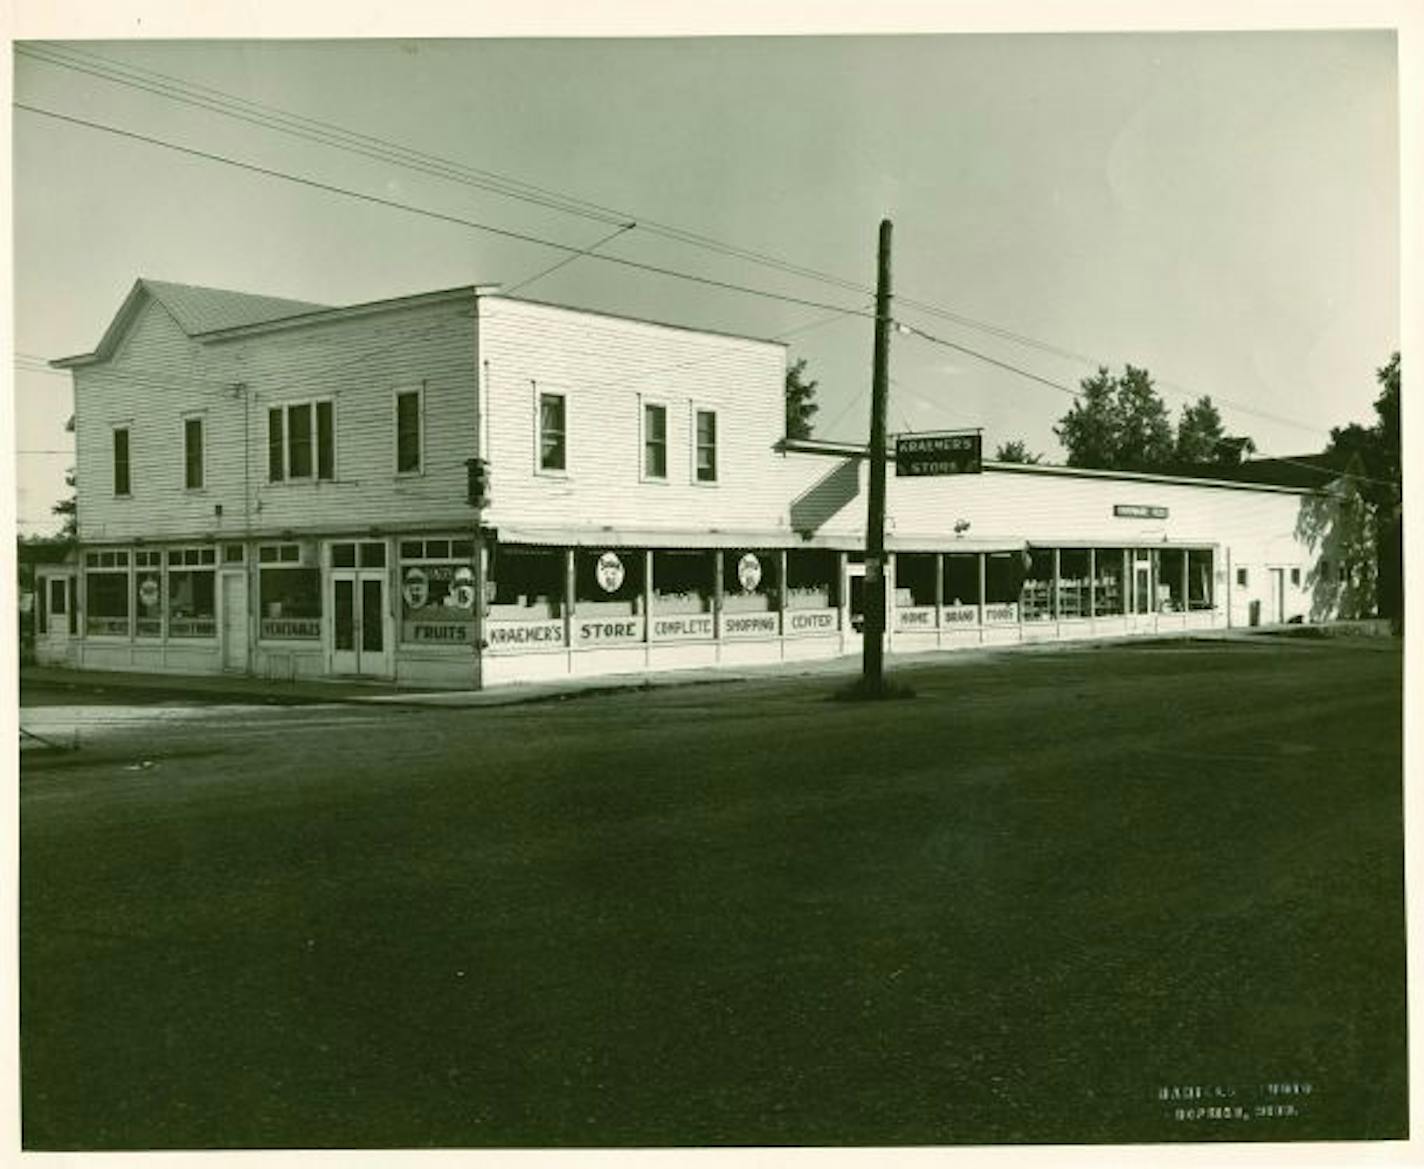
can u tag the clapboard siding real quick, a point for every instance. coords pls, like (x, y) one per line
(606, 367)
(155, 378)
(357, 363)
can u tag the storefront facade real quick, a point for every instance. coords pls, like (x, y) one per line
(254, 500)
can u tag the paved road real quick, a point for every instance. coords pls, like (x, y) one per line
(1019, 906)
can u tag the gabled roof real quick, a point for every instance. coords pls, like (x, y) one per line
(202, 310)
(195, 310)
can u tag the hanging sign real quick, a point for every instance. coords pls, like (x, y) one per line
(939, 454)
(749, 572)
(609, 572)
(1139, 511)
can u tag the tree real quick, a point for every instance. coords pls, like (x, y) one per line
(1122, 424)
(1016, 452)
(799, 404)
(68, 508)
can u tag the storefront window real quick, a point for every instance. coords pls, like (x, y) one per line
(1035, 597)
(106, 603)
(682, 582)
(961, 578)
(1199, 579)
(609, 583)
(528, 583)
(749, 583)
(192, 610)
(1073, 583)
(291, 604)
(1003, 578)
(1171, 580)
(1109, 590)
(148, 594)
(812, 579)
(437, 591)
(914, 579)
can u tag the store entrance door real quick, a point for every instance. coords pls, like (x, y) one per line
(360, 623)
(1142, 585)
(234, 621)
(1278, 595)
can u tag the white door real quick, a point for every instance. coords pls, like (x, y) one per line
(357, 603)
(234, 621)
(1278, 595)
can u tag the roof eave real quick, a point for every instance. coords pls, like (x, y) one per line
(347, 312)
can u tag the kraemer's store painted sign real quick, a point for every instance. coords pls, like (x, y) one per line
(591, 631)
(939, 454)
(524, 636)
(808, 622)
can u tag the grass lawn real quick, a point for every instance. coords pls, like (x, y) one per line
(1015, 908)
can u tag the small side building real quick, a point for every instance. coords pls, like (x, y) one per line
(465, 489)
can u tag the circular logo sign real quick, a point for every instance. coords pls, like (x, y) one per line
(609, 572)
(148, 591)
(464, 590)
(416, 588)
(749, 572)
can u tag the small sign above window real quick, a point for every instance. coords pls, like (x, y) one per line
(1139, 511)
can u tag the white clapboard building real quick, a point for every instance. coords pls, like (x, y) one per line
(284, 489)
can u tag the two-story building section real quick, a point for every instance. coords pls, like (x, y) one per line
(461, 488)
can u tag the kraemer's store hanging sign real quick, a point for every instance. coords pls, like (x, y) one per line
(1139, 511)
(939, 454)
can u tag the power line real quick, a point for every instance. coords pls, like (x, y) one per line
(522, 237)
(570, 259)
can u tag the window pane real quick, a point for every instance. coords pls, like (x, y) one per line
(325, 442)
(275, 462)
(121, 462)
(107, 603)
(407, 432)
(58, 595)
(232, 553)
(148, 604)
(193, 452)
(706, 446)
(373, 555)
(655, 442)
(343, 555)
(299, 441)
(552, 454)
(191, 608)
(291, 603)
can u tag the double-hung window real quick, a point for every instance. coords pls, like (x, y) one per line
(654, 440)
(408, 432)
(705, 446)
(193, 453)
(301, 441)
(553, 432)
(121, 460)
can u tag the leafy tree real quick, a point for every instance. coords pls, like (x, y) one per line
(68, 508)
(1017, 452)
(1203, 441)
(1088, 431)
(800, 406)
(1144, 428)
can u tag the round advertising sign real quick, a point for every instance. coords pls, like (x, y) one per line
(609, 572)
(749, 572)
(464, 590)
(416, 588)
(148, 591)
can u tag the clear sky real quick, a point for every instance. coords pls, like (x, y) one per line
(1221, 208)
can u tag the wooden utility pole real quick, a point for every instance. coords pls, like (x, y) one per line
(873, 661)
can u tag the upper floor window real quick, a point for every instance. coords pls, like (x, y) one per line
(192, 453)
(553, 434)
(705, 436)
(654, 441)
(121, 460)
(301, 441)
(408, 432)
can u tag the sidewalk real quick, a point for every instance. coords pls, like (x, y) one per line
(264, 691)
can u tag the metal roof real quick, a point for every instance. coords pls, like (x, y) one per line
(202, 310)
